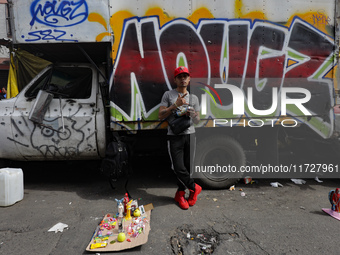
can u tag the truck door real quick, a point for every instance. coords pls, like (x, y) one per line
(68, 126)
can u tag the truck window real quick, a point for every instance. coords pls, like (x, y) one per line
(32, 92)
(65, 82)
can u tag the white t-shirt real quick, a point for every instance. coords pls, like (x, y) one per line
(170, 97)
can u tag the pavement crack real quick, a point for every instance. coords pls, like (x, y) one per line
(253, 242)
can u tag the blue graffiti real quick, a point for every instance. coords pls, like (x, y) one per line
(48, 35)
(63, 14)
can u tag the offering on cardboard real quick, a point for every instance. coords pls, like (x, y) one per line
(128, 228)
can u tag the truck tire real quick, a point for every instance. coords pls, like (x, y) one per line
(222, 151)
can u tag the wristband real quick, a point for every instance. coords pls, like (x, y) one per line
(176, 105)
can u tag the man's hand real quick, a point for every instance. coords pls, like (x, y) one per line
(194, 115)
(180, 100)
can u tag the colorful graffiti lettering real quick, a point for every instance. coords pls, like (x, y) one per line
(59, 13)
(245, 53)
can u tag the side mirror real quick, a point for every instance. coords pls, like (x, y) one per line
(40, 106)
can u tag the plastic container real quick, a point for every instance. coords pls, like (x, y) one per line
(11, 186)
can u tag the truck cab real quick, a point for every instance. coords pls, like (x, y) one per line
(58, 115)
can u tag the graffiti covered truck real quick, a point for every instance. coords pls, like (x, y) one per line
(262, 70)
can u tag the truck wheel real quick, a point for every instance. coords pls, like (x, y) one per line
(218, 151)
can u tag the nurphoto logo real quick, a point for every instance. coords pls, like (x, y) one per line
(278, 100)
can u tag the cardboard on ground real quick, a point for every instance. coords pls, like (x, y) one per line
(118, 246)
(332, 213)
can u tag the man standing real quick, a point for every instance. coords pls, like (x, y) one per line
(179, 100)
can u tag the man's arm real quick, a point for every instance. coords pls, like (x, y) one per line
(195, 111)
(196, 118)
(164, 112)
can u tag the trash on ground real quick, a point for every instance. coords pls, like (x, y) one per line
(59, 227)
(201, 241)
(276, 184)
(317, 179)
(247, 179)
(298, 181)
(232, 187)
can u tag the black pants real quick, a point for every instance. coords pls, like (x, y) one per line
(182, 159)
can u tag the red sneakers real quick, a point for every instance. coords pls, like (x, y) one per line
(183, 203)
(180, 199)
(193, 195)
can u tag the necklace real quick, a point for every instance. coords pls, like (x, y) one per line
(181, 92)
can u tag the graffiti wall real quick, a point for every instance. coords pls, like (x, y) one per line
(252, 45)
(259, 47)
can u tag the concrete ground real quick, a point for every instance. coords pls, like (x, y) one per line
(266, 220)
